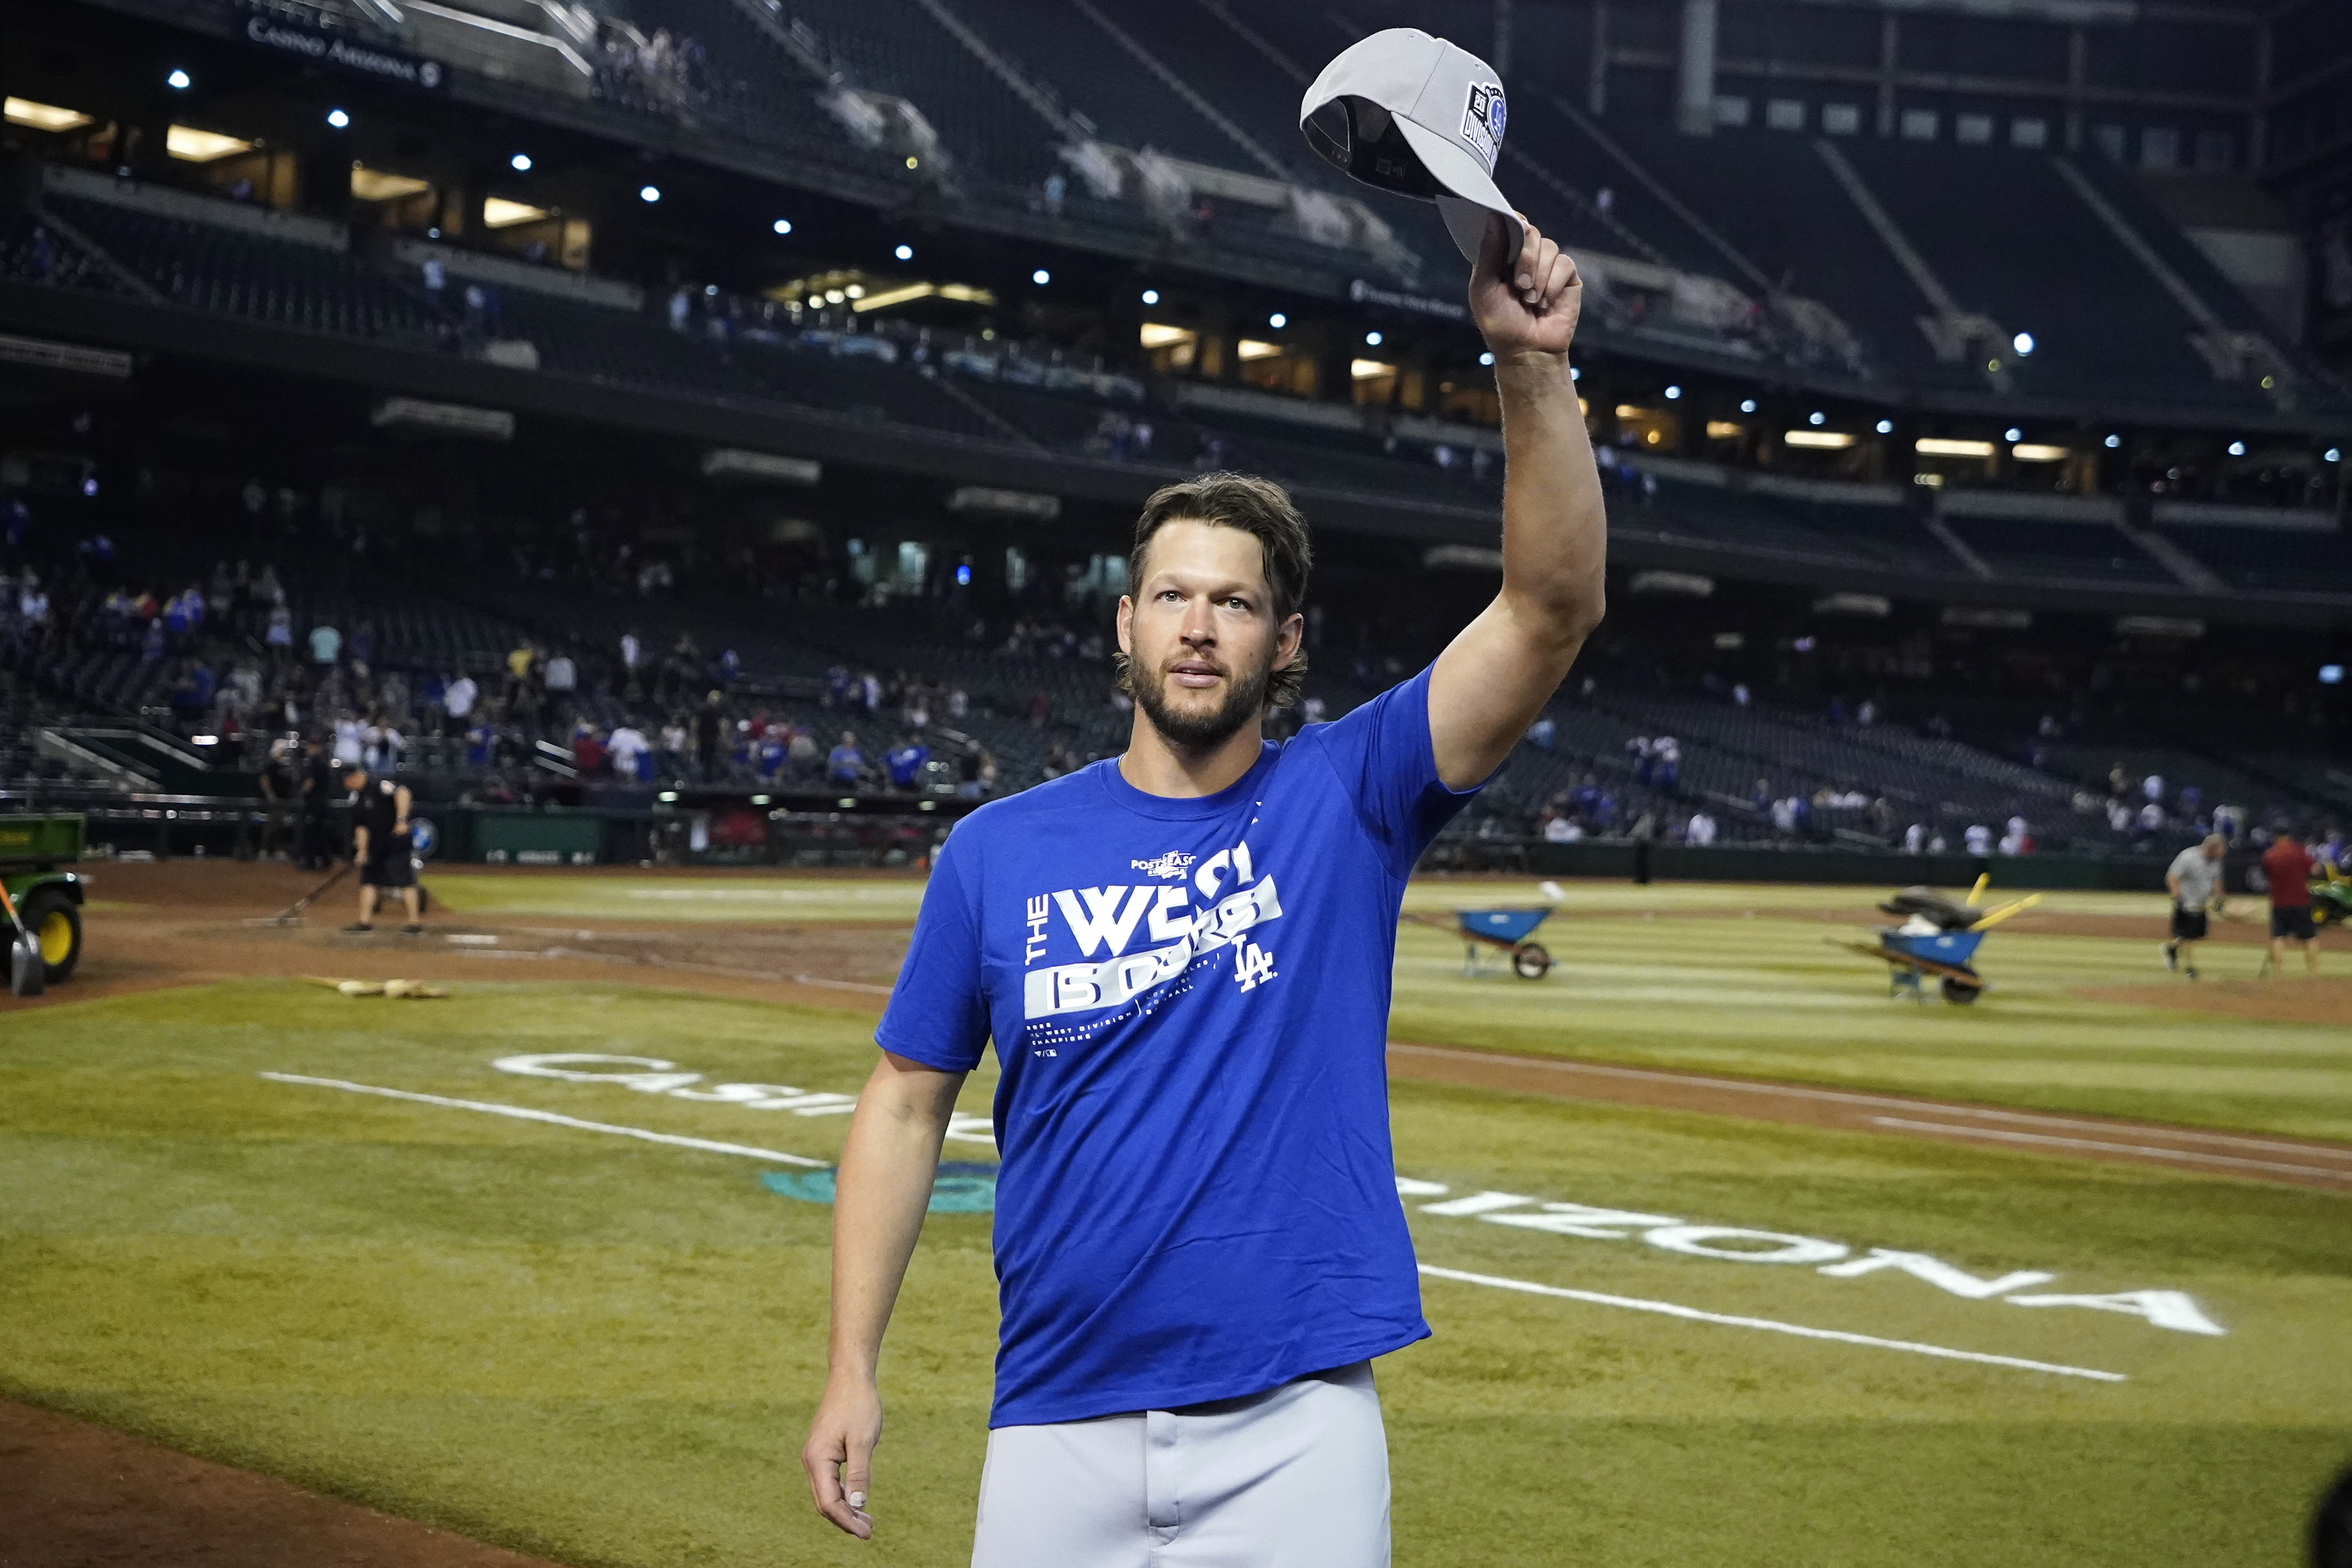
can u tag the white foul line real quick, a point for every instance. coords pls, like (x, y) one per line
(1668, 1309)
(524, 1113)
(2148, 1150)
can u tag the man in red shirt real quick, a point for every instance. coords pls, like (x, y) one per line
(2288, 866)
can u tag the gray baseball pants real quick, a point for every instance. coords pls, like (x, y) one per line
(1297, 1477)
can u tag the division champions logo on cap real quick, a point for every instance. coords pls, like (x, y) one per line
(1482, 122)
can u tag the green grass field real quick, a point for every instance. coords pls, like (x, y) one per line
(1771, 998)
(1703, 977)
(604, 1349)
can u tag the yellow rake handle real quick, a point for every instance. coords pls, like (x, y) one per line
(1994, 917)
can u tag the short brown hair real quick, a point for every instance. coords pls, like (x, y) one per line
(1264, 511)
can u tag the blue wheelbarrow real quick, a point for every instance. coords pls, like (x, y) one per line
(1938, 938)
(1506, 930)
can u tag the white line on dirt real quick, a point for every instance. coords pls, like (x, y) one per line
(1847, 1097)
(2149, 1151)
(1693, 1314)
(525, 1114)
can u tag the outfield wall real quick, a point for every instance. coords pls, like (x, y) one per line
(1741, 863)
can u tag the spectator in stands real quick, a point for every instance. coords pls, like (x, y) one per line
(2149, 823)
(1979, 839)
(672, 758)
(1543, 734)
(2331, 850)
(803, 754)
(588, 750)
(905, 763)
(2288, 866)
(1914, 839)
(631, 650)
(2152, 787)
(845, 764)
(326, 646)
(707, 760)
(1699, 830)
(280, 637)
(457, 703)
(2118, 782)
(628, 748)
(1666, 769)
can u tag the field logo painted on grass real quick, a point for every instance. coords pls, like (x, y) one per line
(961, 1186)
(2174, 1310)
(652, 1075)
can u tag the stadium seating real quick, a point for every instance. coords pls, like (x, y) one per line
(2270, 560)
(2078, 553)
(212, 267)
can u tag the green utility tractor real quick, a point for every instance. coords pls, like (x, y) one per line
(38, 855)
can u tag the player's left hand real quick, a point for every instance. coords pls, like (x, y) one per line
(1533, 304)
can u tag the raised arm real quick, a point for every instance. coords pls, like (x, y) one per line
(880, 1192)
(1493, 679)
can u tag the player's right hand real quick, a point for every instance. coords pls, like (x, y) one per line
(839, 1453)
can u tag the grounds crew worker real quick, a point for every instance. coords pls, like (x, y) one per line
(1182, 955)
(380, 848)
(2288, 866)
(2195, 884)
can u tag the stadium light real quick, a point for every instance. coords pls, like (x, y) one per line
(179, 80)
(1747, 406)
(1041, 278)
(1673, 393)
(1489, 359)
(2012, 435)
(1277, 320)
(1371, 340)
(963, 574)
(519, 162)
(649, 193)
(1575, 371)
(2113, 442)
(905, 253)
(1152, 296)
(782, 226)
(339, 119)
(1886, 426)
(1817, 417)
(2021, 344)
(2331, 674)
(2332, 455)
(2237, 448)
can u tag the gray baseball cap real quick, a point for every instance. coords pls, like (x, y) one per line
(1419, 116)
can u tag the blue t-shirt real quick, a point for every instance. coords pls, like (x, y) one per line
(1190, 1001)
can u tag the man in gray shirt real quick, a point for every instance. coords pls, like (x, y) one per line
(2194, 883)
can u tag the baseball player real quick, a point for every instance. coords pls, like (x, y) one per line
(1182, 956)
(2194, 880)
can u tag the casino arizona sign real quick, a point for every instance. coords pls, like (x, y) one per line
(332, 48)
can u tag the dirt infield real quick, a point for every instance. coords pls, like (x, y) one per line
(2294, 999)
(189, 922)
(78, 1496)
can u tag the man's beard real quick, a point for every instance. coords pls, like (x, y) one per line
(1192, 731)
